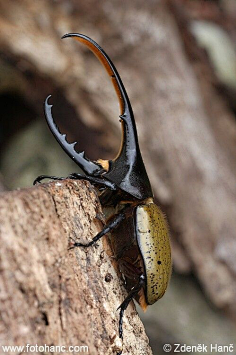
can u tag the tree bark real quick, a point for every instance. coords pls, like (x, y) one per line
(52, 295)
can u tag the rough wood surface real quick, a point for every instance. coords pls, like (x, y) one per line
(187, 133)
(52, 295)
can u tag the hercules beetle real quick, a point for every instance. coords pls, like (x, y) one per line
(139, 238)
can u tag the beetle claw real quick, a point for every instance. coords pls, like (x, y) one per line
(42, 177)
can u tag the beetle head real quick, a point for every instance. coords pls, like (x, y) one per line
(127, 170)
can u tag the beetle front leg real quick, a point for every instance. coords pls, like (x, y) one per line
(108, 227)
(42, 177)
(134, 291)
(94, 180)
(77, 176)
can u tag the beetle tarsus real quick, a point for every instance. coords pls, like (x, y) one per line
(42, 177)
(112, 225)
(127, 300)
(77, 176)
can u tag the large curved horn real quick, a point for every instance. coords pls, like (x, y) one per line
(127, 170)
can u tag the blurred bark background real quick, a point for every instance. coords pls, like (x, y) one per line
(178, 63)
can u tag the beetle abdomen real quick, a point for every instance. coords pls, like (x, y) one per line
(153, 240)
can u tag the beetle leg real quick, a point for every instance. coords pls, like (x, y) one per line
(108, 227)
(95, 180)
(77, 176)
(126, 302)
(42, 177)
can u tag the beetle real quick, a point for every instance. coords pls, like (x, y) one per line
(139, 232)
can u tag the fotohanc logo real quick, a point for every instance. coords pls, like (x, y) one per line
(29, 348)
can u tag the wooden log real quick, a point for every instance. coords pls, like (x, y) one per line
(55, 296)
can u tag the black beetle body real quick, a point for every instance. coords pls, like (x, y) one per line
(139, 237)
